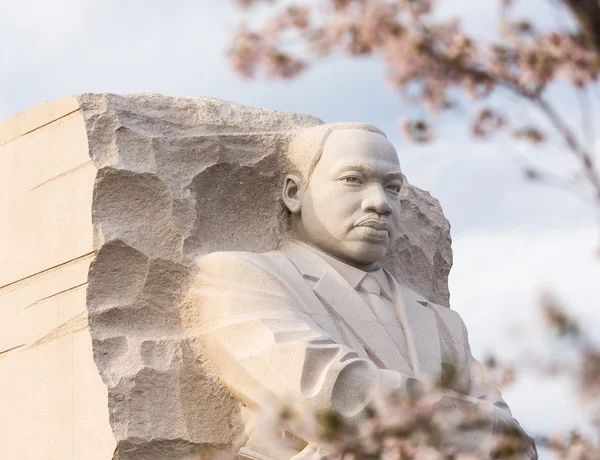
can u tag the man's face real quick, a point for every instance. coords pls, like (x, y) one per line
(351, 206)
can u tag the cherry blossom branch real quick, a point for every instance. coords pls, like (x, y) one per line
(427, 57)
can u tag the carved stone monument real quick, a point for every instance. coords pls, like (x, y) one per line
(210, 261)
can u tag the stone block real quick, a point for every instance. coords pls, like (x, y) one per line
(140, 186)
(56, 401)
(48, 380)
(46, 185)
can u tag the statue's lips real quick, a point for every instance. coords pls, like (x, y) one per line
(374, 223)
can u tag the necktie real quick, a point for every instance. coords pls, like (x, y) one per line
(370, 289)
(383, 309)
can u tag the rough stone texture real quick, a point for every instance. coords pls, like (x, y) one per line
(175, 178)
(422, 256)
(178, 178)
(172, 179)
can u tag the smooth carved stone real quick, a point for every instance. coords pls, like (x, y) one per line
(179, 178)
(318, 323)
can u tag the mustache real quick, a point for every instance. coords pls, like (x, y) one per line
(375, 219)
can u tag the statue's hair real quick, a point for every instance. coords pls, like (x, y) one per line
(306, 147)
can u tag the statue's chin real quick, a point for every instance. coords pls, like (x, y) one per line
(365, 254)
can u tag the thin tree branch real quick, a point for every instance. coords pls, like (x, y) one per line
(581, 153)
(565, 132)
(587, 117)
(561, 184)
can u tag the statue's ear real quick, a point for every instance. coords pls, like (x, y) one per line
(292, 189)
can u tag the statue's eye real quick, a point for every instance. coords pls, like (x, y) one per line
(394, 188)
(351, 180)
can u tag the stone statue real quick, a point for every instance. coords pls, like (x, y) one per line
(319, 321)
(122, 316)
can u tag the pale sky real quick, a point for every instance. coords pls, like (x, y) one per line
(512, 239)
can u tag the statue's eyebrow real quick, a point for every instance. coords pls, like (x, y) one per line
(395, 175)
(369, 171)
(355, 167)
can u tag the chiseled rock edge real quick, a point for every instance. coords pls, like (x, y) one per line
(180, 177)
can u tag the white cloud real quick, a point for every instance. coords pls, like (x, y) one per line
(496, 284)
(497, 278)
(481, 186)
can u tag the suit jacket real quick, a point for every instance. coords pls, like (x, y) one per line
(286, 325)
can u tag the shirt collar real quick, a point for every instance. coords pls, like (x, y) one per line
(352, 275)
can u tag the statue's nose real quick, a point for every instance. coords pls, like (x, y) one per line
(376, 201)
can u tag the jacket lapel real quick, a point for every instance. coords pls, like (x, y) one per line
(299, 286)
(347, 307)
(423, 338)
